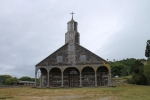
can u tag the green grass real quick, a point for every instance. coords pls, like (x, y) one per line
(128, 92)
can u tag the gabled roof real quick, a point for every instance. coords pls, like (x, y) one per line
(91, 58)
(51, 59)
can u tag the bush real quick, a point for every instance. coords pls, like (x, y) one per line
(130, 80)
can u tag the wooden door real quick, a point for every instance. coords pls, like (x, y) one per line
(73, 80)
(99, 80)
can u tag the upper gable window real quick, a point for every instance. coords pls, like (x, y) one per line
(59, 58)
(82, 58)
(71, 48)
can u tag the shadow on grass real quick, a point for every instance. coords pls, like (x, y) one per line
(6, 97)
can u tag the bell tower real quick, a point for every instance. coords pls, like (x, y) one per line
(72, 34)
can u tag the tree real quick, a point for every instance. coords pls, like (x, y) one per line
(137, 67)
(11, 81)
(147, 71)
(26, 78)
(3, 78)
(122, 67)
(147, 51)
(138, 73)
(116, 70)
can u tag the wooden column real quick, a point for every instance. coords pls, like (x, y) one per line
(62, 78)
(35, 77)
(47, 78)
(80, 79)
(41, 80)
(109, 79)
(95, 78)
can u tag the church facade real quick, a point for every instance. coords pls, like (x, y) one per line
(72, 65)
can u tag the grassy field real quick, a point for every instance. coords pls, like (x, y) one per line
(128, 92)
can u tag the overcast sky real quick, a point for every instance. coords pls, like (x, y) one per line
(30, 30)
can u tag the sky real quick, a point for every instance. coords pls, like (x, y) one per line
(30, 30)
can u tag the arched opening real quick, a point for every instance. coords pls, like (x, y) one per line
(37, 77)
(55, 77)
(71, 77)
(41, 77)
(88, 76)
(73, 72)
(102, 76)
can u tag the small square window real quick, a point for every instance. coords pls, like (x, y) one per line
(59, 58)
(71, 48)
(82, 58)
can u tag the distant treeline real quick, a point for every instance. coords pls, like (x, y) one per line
(137, 70)
(9, 80)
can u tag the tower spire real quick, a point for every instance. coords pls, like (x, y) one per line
(72, 35)
(72, 16)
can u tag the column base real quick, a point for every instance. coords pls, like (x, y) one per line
(47, 86)
(35, 85)
(80, 86)
(62, 86)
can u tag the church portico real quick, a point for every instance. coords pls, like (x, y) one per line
(72, 65)
(71, 77)
(102, 76)
(88, 77)
(43, 77)
(79, 76)
(55, 77)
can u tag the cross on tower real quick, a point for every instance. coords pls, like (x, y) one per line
(72, 15)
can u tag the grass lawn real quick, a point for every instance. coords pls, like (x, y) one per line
(128, 92)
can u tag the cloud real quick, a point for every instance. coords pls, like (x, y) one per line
(32, 30)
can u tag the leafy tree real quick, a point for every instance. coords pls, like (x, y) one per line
(116, 70)
(26, 78)
(128, 61)
(147, 71)
(125, 71)
(138, 73)
(122, 67)
(10, 81)
(147, 51)
(3, 78)
(137, 67)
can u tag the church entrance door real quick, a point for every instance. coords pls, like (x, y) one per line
(99, 80)
(73, 79)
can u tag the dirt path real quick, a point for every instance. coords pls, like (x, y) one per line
(66, 97)
(105, 98)
(78, 96)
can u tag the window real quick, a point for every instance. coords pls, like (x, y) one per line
(82, 58)
(73, 72)
(59, 58)
(71, 48)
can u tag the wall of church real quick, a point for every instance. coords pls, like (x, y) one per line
(90, 58)
(59, 57)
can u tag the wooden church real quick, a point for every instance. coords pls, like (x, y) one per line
(72, 65)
